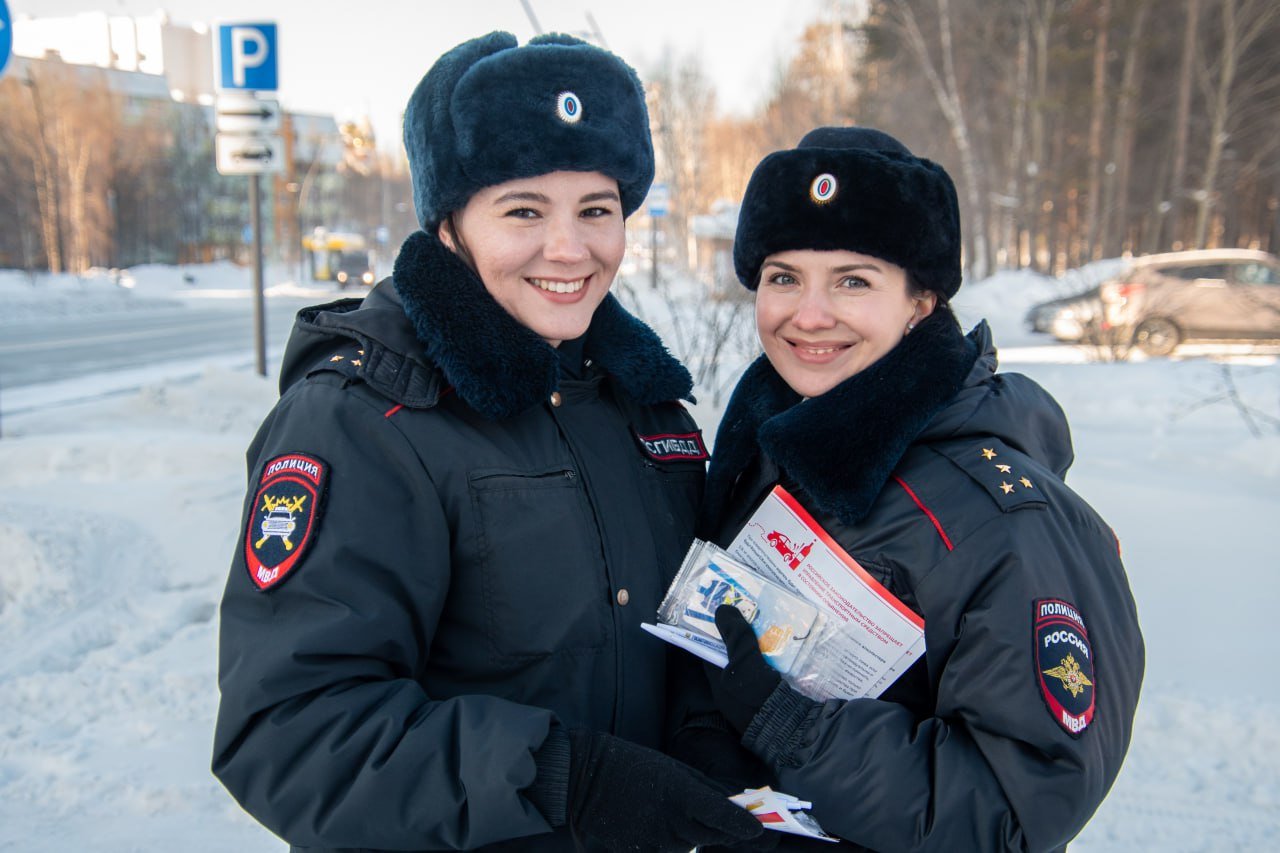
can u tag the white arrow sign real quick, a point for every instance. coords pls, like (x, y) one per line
(248, 155)
(248, 115)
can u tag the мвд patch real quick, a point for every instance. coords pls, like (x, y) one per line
(282, 521)
(1064, 664)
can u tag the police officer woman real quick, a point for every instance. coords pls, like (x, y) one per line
(944, 480)
(460, 510)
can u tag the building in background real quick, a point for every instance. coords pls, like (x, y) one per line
(106, 155)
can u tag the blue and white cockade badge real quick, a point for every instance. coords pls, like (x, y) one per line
(569, 108)
(823, 188)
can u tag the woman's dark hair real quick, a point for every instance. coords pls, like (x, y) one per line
(917, 290)
(459, 246)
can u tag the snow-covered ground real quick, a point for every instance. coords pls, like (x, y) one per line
(118, 516)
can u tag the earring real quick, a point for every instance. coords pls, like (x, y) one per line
(910, 326)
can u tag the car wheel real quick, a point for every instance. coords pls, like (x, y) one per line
(1156, 336)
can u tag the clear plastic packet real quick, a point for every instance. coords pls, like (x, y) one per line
(787, 625)
(818, 654)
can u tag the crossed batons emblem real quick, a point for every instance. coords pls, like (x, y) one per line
(288, 504)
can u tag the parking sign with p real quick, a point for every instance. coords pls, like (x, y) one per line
(247, 57)
(6, 35)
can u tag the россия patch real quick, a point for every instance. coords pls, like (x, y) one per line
(1064, 664)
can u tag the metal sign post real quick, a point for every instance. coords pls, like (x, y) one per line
(657, 200)
(259, 298)
(247, 142)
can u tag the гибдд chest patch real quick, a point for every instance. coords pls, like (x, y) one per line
(666, 447)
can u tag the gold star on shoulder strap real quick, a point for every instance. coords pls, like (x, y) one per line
(997, 468)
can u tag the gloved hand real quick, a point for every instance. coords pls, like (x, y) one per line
(747, 680)
(629, 797)
(708, 744)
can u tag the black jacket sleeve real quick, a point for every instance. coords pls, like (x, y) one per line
(326, 732)
(990, 769)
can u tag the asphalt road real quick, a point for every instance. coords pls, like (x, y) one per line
(57, 348)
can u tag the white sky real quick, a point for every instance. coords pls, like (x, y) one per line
(365, 57)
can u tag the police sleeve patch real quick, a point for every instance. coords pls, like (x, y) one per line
(1064, 664)
(283, 518)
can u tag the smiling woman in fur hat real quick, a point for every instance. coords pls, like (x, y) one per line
(943, 479)
(474, 488)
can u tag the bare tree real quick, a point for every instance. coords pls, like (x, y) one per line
(946, 89)
(1117, 174)
(46, 168)
(1097, 114)
(1243, 21)
(682, 105)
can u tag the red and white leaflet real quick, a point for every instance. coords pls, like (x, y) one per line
(880, 636)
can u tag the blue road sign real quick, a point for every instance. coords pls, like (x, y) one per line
(6, 35)
(658, 200)
(247, 57)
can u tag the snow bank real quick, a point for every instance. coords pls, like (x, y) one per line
(118, 517)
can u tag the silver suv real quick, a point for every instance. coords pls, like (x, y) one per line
(1159, 301)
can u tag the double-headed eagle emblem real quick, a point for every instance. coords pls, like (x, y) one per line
(1070, 675)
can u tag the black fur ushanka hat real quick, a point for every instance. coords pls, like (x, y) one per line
(857, 189)
(489, 111)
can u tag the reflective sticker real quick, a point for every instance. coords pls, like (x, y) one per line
(666, 447)
(1064, 664)
(823, 188)
(569, 108)
(283, 518)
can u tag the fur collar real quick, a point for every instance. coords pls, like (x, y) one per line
(841, 447)
(498, 366)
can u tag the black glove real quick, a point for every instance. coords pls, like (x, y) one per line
(629, 797)
(709, 745)
(747, 680)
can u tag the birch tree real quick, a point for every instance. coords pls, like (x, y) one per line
(943, 81)
(1242, 22)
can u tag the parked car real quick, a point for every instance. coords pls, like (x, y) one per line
(1157, 302)
(1065, 318)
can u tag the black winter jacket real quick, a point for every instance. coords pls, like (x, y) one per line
(481, 542)
(944, 480)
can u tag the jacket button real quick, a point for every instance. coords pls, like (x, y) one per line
(555, 398)
(623, 597)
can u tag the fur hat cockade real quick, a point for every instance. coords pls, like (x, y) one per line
(857, 189)
(489, 111)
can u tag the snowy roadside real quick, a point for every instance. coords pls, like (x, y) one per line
(118, 516)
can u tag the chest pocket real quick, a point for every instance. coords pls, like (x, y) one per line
(541, 564)
(672, 493)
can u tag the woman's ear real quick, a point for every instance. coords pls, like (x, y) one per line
(445, 232)
(924, 305)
